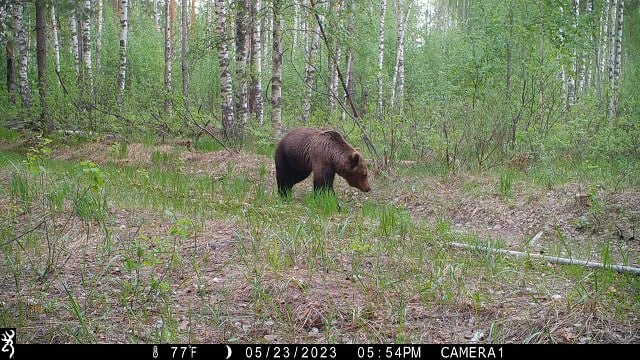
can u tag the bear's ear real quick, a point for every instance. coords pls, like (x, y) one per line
(354, 159)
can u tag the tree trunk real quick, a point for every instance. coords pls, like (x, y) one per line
(11, 74)
(193, 16)
(56, 39)
(383, 8)
(87, 72)
(572, 83)
(183, 52)
(617, 58)
(350, 34)
(588, 64)
(156, 16)
(168, 44)
(613, 7)
(99, 36)
(41, 46)
(242, 97)
(397, 81)
(296, 25)
(276, 76)
(310, 71)
(172, 13)
(124, 25)
(7, 14)
(209, 21)
(256, 63)
(75, 43)
(603, 46)
(226, 90)
(565, 81)
(21, 37)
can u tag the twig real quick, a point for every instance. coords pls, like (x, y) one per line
(553, 259)
(355, 117)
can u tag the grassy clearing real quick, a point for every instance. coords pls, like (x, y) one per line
(196, 247)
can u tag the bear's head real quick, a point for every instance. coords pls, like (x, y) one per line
(356, 174)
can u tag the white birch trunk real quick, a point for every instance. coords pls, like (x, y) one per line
(86, 46)
(56, 38)
(256, 63)
(75, 44)
(124, 25)
(209, 22)
(572, 83)
(383, 8)
(588, 72)
(617, 59)
(226, 90)
(397, 82)
(310, 71)
(296, 23)
(602, 52)
(184, 48)
(168, 44)
(276, 73)
(21, 39)
(613, 7)
(99, 36)
(563, 72)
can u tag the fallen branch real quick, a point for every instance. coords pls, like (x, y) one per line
(553, 259)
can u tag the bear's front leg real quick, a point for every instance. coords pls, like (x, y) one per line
(323, 180)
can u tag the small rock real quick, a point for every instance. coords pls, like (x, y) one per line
(557, 297)
(270, 337)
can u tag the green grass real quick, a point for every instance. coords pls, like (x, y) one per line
(352, 268)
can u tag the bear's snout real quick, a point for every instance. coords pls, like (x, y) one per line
(365, 187)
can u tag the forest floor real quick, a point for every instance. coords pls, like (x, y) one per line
(165, 244)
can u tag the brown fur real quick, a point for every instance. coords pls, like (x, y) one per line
(325, 153)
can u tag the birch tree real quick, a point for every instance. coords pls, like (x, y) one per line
(184, 48)
(614, 76)
(226, 90)
(168, 43)
(255, 100)
(124, 26)
(397, 82)
(87, 72)
(99, 35)
(241, 105)
(75, 43)
(383, 8)
(21, 38)
(208, 23)
(310, 71)
(56, 38)
(276, 73)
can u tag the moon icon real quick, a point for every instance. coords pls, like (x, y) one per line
(228, 351)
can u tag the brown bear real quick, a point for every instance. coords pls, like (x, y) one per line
(325, 153)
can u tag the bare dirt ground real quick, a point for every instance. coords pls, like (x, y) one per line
(214, 297)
